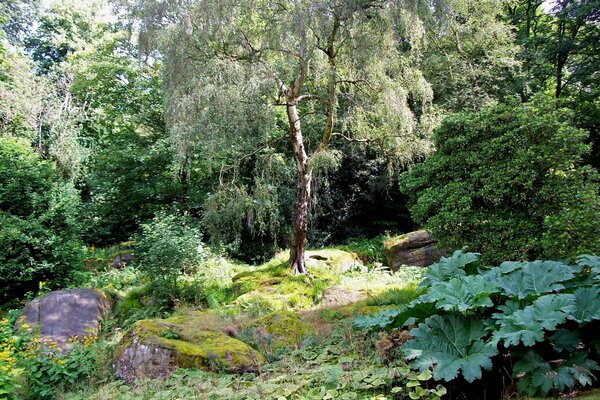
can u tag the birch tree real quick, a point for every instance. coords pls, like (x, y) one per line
(241, 73)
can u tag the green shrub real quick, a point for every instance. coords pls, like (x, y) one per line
(168, 246)
(542, 314)
(509, 183)
(39, 238)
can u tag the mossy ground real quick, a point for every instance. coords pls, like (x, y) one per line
(311, 350)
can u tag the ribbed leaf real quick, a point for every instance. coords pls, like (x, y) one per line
(591, 262)
(450, 344)
(461, 294)
(528, 326)
(539, 376)
(587, 305)
(564, 339)
(449, 267)
(533, 278)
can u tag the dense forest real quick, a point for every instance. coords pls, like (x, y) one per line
(309, 199)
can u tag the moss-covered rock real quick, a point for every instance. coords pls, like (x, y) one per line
(414, 248)
(285, 328)
(154, 348)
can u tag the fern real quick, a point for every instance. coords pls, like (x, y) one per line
(450, 344)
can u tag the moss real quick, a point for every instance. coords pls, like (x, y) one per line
(335, 259)
(285, 328)
(273, 285)
(269, 274)
(192, 348)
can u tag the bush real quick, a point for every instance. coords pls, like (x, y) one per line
(508, 182)
(168, 247)
(39, 239)
(542, 316)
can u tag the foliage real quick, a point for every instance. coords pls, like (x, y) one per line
(38, 215)
(34, 368)
(59, 32)
(167, 247)
(508, 182)
(340, 365)
(470, 59)
(542, 314)
(129, 169)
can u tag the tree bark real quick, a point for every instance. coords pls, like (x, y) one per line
(300, 225)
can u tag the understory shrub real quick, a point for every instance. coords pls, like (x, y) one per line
(542, 315)
(509, 182)
(39, 238)
(168, 247)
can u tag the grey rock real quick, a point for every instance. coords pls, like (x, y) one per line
(67, 314)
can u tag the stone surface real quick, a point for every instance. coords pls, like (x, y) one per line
(154, 348)
(65, 315)
(121, 260)
(414, 248)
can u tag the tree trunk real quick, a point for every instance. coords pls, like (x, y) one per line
(300, 223)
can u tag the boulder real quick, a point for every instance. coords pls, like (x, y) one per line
(66, 315)
(414, 248)
(121, 260)
(154, 348)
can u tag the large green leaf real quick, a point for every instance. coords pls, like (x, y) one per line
(591, 262)
(462, 294)
(449, 267)
(528, 325)
(564, 339)
(540, 376)
(450, 344)
(533, 278)
(587, 305)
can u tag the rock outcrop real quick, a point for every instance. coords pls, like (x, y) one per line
(154, 348)
(64, 316)
(414, 248)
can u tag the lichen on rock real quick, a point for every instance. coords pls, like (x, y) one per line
(154, 348)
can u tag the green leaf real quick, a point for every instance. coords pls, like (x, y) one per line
(587, 305)
(564, 339)
(534, 278)
(449, 267)
(591, 262)
(527, 326)
(450, 344)
(380, 320)
(538, 376)
(462, 294)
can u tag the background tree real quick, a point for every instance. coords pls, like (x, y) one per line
(336, 69)
(39, 239)
(470, 54)
(509, 183)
